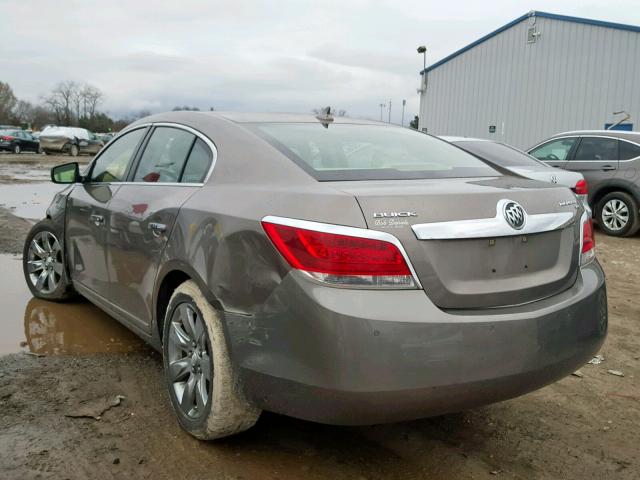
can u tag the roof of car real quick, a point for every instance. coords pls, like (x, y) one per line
(257, 117)
(452, 139)
(624, 134)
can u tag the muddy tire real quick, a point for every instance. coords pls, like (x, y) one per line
(617, 214)
(74, 150)
(203, 385)
(16, 149)
(44, 263)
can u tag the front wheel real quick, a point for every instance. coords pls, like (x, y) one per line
(203, 385)
(74, 150)
(617, 214)
(43, 263)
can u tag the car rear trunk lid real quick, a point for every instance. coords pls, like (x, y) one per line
(463, 249)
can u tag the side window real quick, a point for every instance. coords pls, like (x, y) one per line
(198, 163)
(629, 150)
(164, 155)
(554, 150)
(111, 166)
(594, 148)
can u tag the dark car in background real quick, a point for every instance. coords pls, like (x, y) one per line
(18, 141)
(332, 269)
(610, 162)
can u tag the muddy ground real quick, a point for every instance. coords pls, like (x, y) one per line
(584, 427)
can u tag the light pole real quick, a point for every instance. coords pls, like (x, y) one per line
(423, 50)
(404, 102)
(389, 110)
(382, 105)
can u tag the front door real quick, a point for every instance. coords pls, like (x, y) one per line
(555, 152)
(143, 213)
(87, 218)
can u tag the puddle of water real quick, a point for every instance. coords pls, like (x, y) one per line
(24, 172)
(28, 200)
(48, 328)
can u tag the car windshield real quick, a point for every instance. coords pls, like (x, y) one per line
(370, 152)
(499, 153)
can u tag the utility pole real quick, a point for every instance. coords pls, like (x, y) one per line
(404, 102)
(382, 105)
(389, 110)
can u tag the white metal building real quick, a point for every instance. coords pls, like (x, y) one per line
(536, 76)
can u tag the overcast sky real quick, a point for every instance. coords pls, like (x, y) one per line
(252, 55)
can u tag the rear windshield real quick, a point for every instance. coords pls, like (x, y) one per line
(370, 152)
(500, 154)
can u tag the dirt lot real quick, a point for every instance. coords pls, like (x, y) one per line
(584, 427)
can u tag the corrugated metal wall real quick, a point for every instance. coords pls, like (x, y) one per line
(573, 77)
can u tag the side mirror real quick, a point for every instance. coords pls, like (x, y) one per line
(66, 173)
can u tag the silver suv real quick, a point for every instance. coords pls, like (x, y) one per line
(610, 162)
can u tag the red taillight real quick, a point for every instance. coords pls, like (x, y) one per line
(339, 258)
(7, 138)
(581, 187)
(588, 239)
(336, 254)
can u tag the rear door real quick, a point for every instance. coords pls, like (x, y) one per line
(87, 217)
(596, 158)
(171, 167)
(555, 153)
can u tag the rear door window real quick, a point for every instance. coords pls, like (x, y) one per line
(112, 164)
(597, 148)
(198, 163)
(164, 156)
(554, 150)
(629, 150)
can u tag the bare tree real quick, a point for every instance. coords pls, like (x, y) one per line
(7, 103)
(334, 111)
(61, 101)
(91, 99)
(23, 112)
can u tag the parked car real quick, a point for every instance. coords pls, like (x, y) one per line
(335, 270)
(610, 162)
(520, 163)
(71, 140)
(18, 141)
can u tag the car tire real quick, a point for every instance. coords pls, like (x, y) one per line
(74, 150)
(44, 263)
(617, 214)
(203, 384)
(16, 149)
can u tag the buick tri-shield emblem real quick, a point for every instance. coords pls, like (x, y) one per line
(514, 214)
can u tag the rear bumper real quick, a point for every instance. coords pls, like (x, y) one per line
(361, 357)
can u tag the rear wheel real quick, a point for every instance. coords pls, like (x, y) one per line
(16, 149)
(617, 214)
(203, 386)
(43, 263)
(73, 150)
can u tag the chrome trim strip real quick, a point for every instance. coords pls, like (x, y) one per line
(492, 227)
(343, 230)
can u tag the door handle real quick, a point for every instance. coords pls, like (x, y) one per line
(607, 168)
(555, 166)
(97, 220)
(157, 228)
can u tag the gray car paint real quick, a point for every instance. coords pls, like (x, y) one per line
(375, 355)
(603, 176)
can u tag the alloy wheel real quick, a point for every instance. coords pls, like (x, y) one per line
(16, 149)
(189, 360)
(615, 214)
(44, 262)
